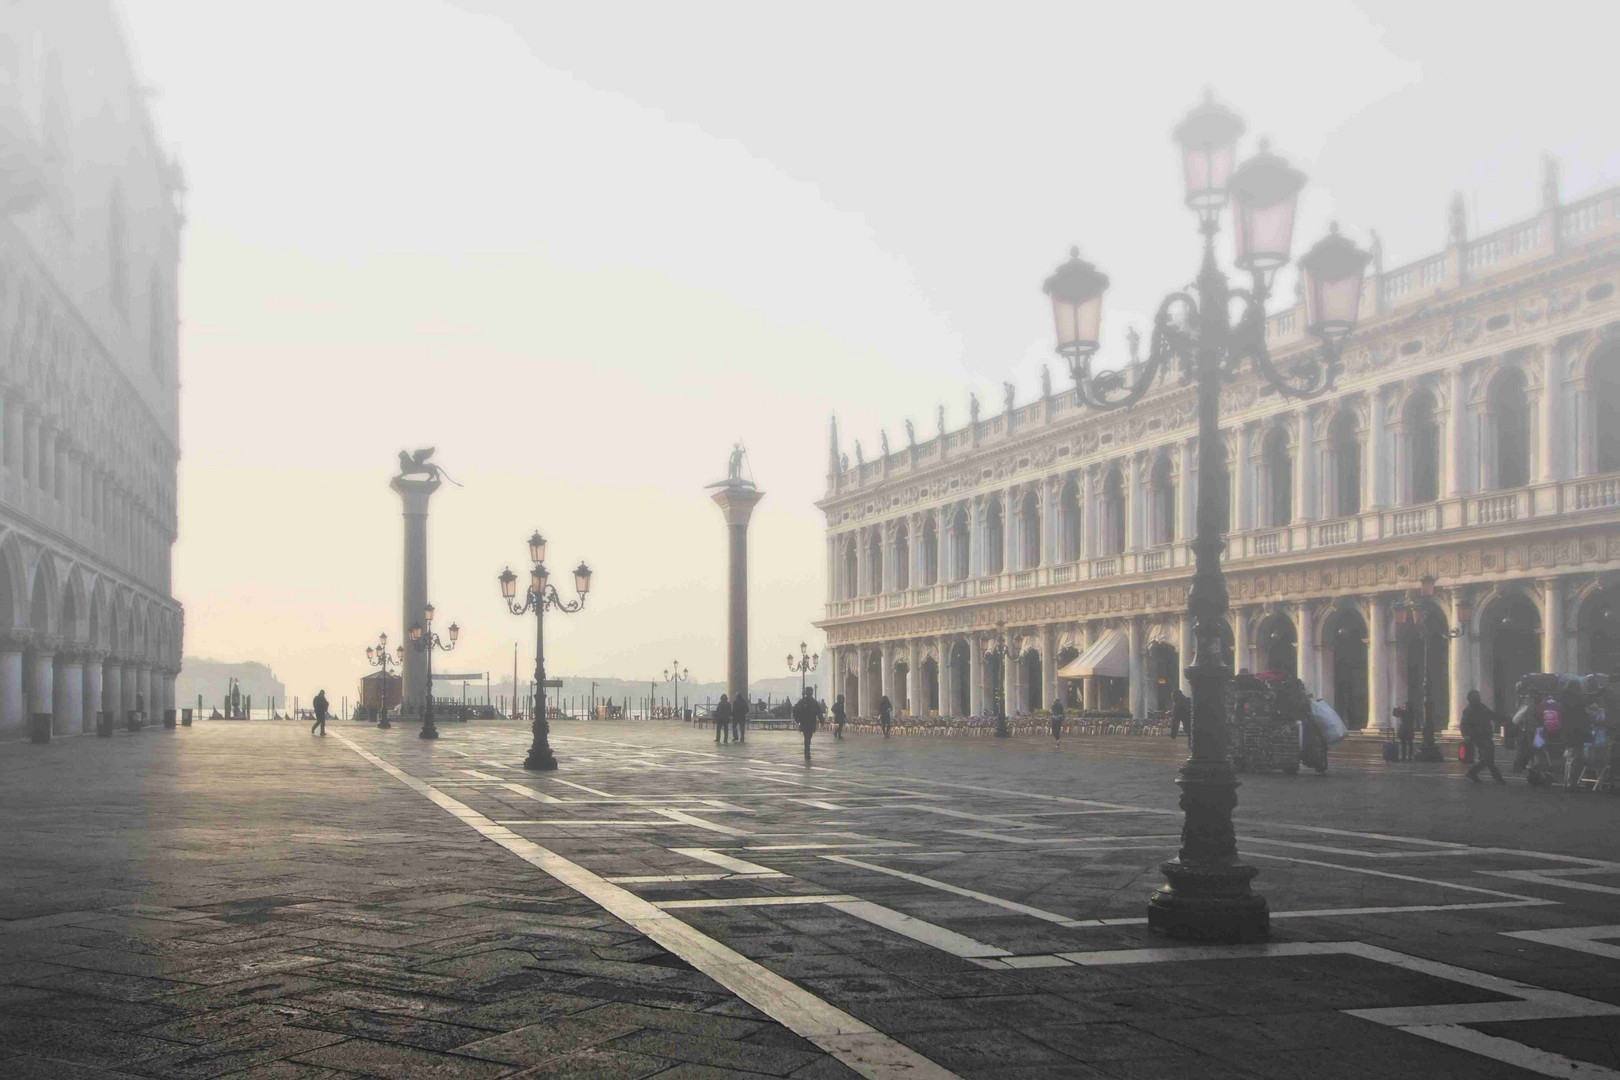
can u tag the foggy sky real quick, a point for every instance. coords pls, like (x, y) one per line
(583, 248)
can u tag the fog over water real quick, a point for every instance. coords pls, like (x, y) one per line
(581, 249)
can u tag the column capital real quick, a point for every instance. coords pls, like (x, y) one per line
(15, 639)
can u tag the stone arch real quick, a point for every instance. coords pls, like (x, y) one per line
(1276, 453)
(995, 531)
(1031, 667)
(1344, 443)
(1601, 366)
(1111, 529)
(1070, 515)
(1510, 624)
(75, 618)
(1596, 616)
(1506, 427)
(1420, 471)
(13, 585)
(928, 548)
(850, 568)
(1162, 511)
(45, 596)
(1029, 529)
(902, 554)
(1345, 640)
(1276, 642)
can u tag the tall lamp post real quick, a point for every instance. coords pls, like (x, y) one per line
(1000, 650)
(674, 674)
(541, 595)
(805, 664)
(1412, 611)
(424, 640)
(378, 656)
(1207, 894)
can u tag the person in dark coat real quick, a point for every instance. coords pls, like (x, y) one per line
(1180, 714)
(320, 713)
(1406, 728)
(805, 713)
(1478, 724)
(1057, 720)
(885, 714)
(838, 717)
(739, 716)
(722, 720)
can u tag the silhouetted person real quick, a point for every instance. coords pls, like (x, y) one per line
(838, 717)
(140, 704)
(805, 712)
(1057, 720)
(739, 717)
(885, 714)
(320, 712)
(1478, 725)
(1180, 714)
(722, 720)
(1406, 728)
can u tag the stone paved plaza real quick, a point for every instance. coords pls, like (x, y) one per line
(246, 900)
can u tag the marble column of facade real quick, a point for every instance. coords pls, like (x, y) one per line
(1184, 652)
(886, 677)
(975, 675)
(915, 705)
(1460, 663)
(1009, 530)
(67, 694)
(1378, 706)
(1136, 669)
(1310, 657)
(1260, 461)
(12, 720)
(1186, 492)
(112, 688)
(1372, 479)
(1552, 626)
(1456, 391)
(1400, 462)
(1327, 471)
(1547, 419)
(129, 685)
(14, 445)
(1049, 665)
(1133, 503)
(1241, 661)
(42, 677)
(1011, 683)
(90, 697)
(942, 672)
(143, 689)
(1238, 472)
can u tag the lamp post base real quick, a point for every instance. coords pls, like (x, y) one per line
(1001, 728)
(1429, 752)
(429, 730)
(385, 723)
(1209, 904)
(540, 758)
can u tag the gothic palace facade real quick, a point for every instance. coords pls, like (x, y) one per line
(1467, 462)
(89, 389)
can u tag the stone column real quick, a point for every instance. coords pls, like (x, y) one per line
(1010, 684)
(12, 720)
(975, 675)
(886, 675)
(942, 669)
(1049, 665)
(737, 502)
(1240, 637)
(129, 682)
(1310, 672)
(67, 694)
(1547, 419)
(143, 690)
(1237, 469)
(1133, 503)
(1460, 666)
(1552, 626)
(112, 689)
(915, 705)
(414, 495)
(1378, 707)
(42, 677)
(1137, 670)
(1186, 494)
(1401, 463)
(1372, 480)
(91, 701)
(1184, 653)
(1454, 436)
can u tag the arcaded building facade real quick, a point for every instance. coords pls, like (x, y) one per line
(89, 391)
(1467, 462)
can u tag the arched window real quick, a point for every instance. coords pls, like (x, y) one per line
(995, 533)
(1346, 465)
(1029, 531)
(1069, 510)
(1603, 383)
(1162, 514)
(960, 533)
(1280, 467)
(929, 553)
(847, 592)
(1422, 462)
(1508, 410)
(902, 557)
(1113, 518)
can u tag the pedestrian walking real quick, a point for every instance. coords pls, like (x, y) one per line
(320, 713)
(1180, 713)
(1057, 720)
(739, 717)
(805, 712)
(722, 720)
(838, 717)
(1478, 724)
(885, 714)
(1406, 728)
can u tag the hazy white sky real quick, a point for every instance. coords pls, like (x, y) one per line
(581, 248)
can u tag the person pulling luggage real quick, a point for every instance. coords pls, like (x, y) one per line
(1478, 724)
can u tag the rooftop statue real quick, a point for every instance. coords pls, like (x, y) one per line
(734, 469)
(417, 464)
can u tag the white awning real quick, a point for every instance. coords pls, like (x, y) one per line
(1109, 655)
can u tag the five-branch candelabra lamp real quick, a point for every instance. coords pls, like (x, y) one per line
(675, 674)
(804, 664)
(378, 656)
(1413, 611)
(541, 597)
(425, 641)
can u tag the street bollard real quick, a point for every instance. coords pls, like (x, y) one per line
(39, 727)
(168, 719)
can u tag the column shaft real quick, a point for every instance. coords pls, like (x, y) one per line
(11, 690)
(1378, 707)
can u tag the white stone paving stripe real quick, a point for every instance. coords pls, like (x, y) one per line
(854, 1042)
(726, 862)
(530, 793)
(750, 901)
(933, 883)
(1390, 874)
(1579, 938)
(699, 823)
(916, 929)
(582, 787)
(1506, 1050)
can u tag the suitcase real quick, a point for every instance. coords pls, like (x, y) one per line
(1392, 750)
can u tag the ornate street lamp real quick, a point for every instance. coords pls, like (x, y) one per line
(541, 596)
(424, 640)
(805, 664)
(378, 656)
(1412, 611)
(1207, 893)
(674, 674)
(1001, 652)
